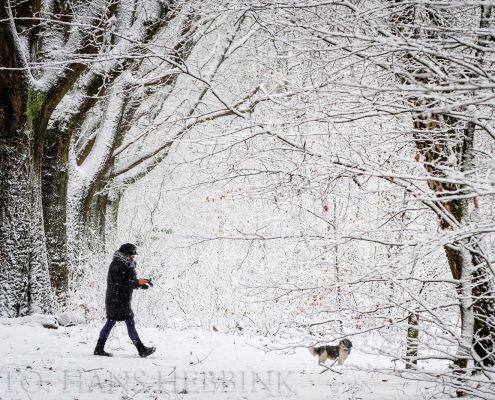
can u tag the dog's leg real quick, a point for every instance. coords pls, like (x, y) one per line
(343, 354)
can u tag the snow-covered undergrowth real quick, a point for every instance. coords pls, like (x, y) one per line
(205, 279)
(39, 363)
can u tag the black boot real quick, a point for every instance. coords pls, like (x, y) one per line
(99, 349)
(142, 349)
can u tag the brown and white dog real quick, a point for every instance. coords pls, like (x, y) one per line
(339, 352)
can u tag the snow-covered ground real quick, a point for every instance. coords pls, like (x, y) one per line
(40, 363)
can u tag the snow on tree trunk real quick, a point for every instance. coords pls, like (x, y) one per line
(25, 284)
(76, 194)
(55, 209)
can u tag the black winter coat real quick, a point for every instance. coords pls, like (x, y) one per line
(121, 281)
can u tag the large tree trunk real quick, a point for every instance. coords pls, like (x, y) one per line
(75, 228)
(24, 280)
(80, 233)
(55, 209)
(25, 285)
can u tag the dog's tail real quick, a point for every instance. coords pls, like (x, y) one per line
(312, 350)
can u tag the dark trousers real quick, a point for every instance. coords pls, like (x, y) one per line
(131, 329)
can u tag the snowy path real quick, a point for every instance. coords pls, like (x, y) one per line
(39, 363)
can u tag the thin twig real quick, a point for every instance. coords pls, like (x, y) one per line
(329, 369)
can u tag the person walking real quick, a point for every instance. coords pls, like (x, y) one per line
(121, 281)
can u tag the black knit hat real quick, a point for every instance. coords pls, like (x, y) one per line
(128, 249)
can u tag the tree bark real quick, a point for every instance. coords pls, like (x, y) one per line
(55, 210)
(24, 277)
(25, 285)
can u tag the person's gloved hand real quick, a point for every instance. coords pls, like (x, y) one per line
(143, 282)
